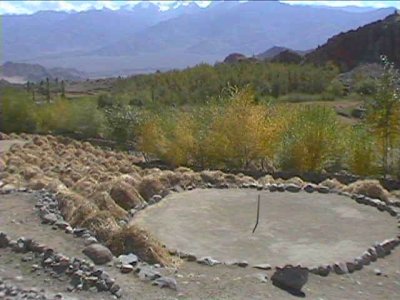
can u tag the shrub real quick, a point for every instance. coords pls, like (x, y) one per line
(120, 122)
(17, 111)
(361, 151)
(312, 141)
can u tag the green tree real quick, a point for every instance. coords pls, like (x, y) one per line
(383, 112)
(121, 121)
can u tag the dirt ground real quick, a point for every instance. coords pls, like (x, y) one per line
(18, 218)
(295, 228)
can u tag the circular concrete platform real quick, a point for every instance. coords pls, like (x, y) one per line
(304, 228)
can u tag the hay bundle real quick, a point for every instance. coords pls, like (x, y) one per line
(333, 184)
(2, 165)
(370, 188)
(102, 224)
(213, 177)
(137, 240)
(150, 186)
(125, 195)
(39, 140)
(104, 202)
(30, 171)
(267, 179)
(4, 136)
(75, 208)
(296, 180)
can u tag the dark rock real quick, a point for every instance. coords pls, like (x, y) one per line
(290, 278)
(293, 188)
(322, 189)
(309, 188)
(98, 253)
(4, 240)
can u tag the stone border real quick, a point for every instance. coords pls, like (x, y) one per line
(83, 275)
(378, 250)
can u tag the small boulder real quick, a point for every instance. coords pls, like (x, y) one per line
(309, 188)
(209, 261)
(290, 278)
(126, 268)
(293, 188)
(167, 282)
(99, 254)
(130, 259)
(263, 267)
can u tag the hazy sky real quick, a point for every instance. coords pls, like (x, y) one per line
(26, 7)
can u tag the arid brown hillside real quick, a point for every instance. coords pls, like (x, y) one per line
(364, 45)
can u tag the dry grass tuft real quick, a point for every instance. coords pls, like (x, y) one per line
(104, 202)
(125, 195)
(4, 136)
(151, 185)
(332, 184)
(139, 241)
(370, 188)
(267, 179)
(296, 180)
(102, 224)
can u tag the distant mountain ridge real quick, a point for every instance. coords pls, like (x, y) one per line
(22, 72)
(106, 42)
(363, 45)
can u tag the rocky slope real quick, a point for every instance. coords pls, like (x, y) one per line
(363, 45)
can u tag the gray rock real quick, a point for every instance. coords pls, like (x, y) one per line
(130, 259)
(242, 264)
(62, 224)
(167, 282)
(380, 251)
(126, 268)
(90, 240)
(290, 277)
(98, 253)
(209, 261)
(263, 267)
(273, 187)
(261, 277)
(148, 273)
(377, 272)
(49, 218)
(340, 268)
(280, 187)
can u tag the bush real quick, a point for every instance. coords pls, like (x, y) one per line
(312, 141)
(17, 111)
(361, 151)
(120, 122)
